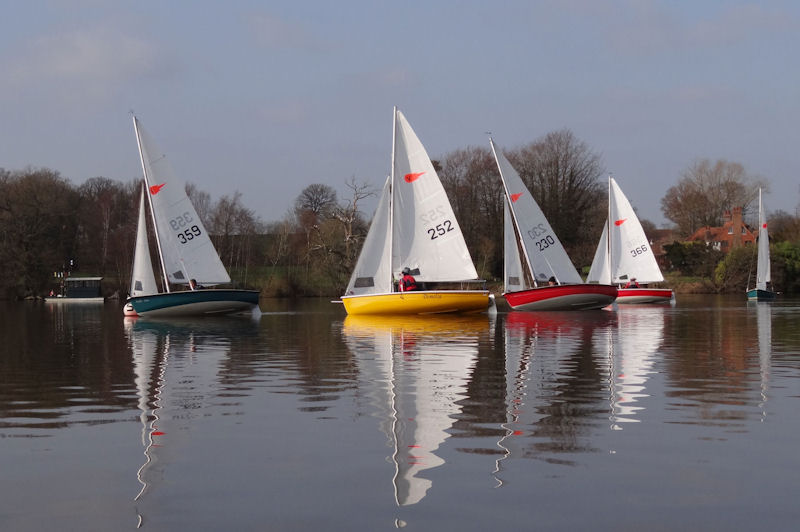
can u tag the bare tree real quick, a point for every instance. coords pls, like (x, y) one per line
(317, 199)
(706, 190)
(563, 174)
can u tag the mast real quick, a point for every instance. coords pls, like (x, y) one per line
(391, 199)
(608, 236)
(150, 202)
(520, 240)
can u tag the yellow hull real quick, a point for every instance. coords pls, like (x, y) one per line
(423, 302)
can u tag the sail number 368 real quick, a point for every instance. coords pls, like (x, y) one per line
(184, 228)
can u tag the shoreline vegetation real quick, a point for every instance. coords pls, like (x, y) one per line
(51, 228)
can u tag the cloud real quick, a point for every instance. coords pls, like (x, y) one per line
(93, 61)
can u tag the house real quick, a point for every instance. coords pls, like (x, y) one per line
(733, 233)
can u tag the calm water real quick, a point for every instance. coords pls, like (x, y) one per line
(653, 418)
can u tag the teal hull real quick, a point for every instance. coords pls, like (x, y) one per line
(195, 303)
(760, 295)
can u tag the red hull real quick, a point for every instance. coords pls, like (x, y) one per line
(644, 295)
(563, 297)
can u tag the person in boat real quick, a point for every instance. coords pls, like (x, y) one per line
(193, 285)
(407, 282)
(632, 283)
(551, 281)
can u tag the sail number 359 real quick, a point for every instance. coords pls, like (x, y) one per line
(184, 228)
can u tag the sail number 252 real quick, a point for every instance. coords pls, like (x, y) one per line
(184, 228)
(440, 230)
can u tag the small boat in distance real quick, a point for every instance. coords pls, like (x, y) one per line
(624, 255)
(762, 291)
(414, 227)
(539, 274)
(186, 254)
(78, 290)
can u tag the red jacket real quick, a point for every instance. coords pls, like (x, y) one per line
(408, 283)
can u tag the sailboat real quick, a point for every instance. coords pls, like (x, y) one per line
(538, 272)
(761, 292)
(143, 280)
(414, 227)
(624, 254)
(186, 253)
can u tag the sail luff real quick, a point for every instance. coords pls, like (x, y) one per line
(150, 202)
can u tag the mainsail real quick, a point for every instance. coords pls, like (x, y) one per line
(185, 247)
(426, 235)
(545, 255)
(763, 266)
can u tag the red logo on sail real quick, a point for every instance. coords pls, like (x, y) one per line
(515, 197)
(155, 189)
(410, 178)
(619, 222)
(765, 225)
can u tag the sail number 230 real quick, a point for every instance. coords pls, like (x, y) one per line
(184, 228)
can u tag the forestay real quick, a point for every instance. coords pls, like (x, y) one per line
(426, 235)
(143, 281)
(546, 256)
(186, 249)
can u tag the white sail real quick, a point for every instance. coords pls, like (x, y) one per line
(600, 272)
(631, 254)
(426, 235)
(185, 246)
(514, 276)
(373, 271)
(143, 281)
(763, 266)
(546, 256)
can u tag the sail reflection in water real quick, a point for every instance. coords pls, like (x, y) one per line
(546, 354)
(417, 370)
(764, 321)
(639, 334)
(149, 366)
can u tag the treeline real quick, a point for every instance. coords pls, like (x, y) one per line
(48, 225)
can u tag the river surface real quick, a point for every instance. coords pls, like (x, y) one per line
(641, 418)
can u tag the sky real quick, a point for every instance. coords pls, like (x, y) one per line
(267, 97)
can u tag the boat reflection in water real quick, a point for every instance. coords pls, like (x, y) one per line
(764, 322)
(190, 347)
(150, 351)
(548, 355)
(631, 355)
(418, 369)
